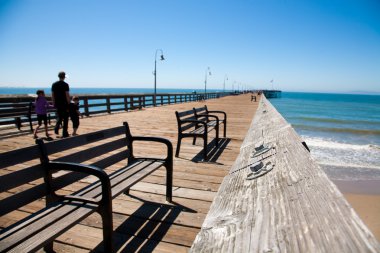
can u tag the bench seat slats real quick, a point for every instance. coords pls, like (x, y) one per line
(138, 172)
(57, 216)
(46, 225)
(120, 179)
(200, 130)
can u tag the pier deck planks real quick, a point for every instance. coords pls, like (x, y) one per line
(142, 221)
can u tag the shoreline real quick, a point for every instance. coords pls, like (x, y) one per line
(364, 197)
(362, 187)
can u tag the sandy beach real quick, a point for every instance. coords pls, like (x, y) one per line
(364, 197)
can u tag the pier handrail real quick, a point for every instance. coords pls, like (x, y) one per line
(91, 104)
(277, 199)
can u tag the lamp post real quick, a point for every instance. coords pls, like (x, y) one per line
(155, 73)
(224, 83)
(208, 72)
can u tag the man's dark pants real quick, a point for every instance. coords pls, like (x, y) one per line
(62, 117)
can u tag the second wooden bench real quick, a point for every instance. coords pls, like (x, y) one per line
(198, 122)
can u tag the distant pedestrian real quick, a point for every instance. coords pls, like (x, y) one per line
(74, 114)
(61, 98)
(41, 105)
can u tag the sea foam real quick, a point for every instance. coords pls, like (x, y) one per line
(333, 153)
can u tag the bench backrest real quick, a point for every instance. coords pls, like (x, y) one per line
(10, 111)
(20, 112)
(22, 174)
(183, 116)
(201, 113)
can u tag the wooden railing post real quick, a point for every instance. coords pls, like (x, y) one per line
(108, 101)
(126, 103)
(85, 106)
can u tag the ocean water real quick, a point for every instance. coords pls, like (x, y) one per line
(341, 130)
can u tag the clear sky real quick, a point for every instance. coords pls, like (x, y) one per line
(302, 45)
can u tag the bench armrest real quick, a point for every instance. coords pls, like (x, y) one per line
(225, 115)
(156, 139)
(87, 169)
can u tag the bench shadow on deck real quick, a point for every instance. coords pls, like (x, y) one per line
(213, 151)
(130, 235)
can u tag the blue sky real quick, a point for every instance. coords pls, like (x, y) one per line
(313, 45)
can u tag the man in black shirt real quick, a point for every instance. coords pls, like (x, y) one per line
(61, 99)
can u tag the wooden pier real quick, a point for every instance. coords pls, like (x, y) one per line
(143, 221)
(221, 205)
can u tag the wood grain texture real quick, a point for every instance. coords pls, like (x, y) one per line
(292, 208)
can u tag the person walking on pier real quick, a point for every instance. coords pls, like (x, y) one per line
(74, 114)
(41, 105)
(61, 98)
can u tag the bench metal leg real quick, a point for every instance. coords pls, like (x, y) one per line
(178, 147)
(49, 247)
(107, 229)
(18, 123)
(194, 140)
(205, 147)
(217, 135)
(225, 127)
(169, 183)
(30, 123)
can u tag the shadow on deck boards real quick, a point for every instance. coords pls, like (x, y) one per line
(152, 220)
(214, 152)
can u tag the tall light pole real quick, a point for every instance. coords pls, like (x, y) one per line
(155, 73)
(208, 72)
(224, 83)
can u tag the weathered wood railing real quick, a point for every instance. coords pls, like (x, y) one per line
(98, 104)
(280, 200)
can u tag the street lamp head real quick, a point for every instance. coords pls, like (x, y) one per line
(155, 73)
(208, 71)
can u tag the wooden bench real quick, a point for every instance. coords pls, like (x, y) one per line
(107, 155)
(198, 123)
(16, 113)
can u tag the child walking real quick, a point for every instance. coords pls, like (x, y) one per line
(41, 106)
(74, 114)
